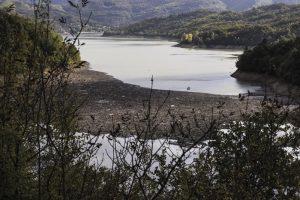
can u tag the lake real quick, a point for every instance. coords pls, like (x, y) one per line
(135, 60)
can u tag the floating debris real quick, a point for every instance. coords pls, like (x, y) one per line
(103, 101)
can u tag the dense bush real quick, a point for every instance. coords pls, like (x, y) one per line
(34, 64)
(280, 59)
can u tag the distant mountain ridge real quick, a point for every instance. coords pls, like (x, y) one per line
(125, 12)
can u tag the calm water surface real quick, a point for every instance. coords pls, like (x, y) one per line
(135, 60)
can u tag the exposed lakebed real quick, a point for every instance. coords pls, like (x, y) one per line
(135, 60)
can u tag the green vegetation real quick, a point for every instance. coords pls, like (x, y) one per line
(34, 64)
(280, 59)
(226, 28)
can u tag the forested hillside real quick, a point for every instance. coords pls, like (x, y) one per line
(226, 28)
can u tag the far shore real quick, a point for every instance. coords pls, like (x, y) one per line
(220, 47)
(174, 39)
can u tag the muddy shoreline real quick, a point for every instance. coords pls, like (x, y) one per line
(107, 100)
(273, 86)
